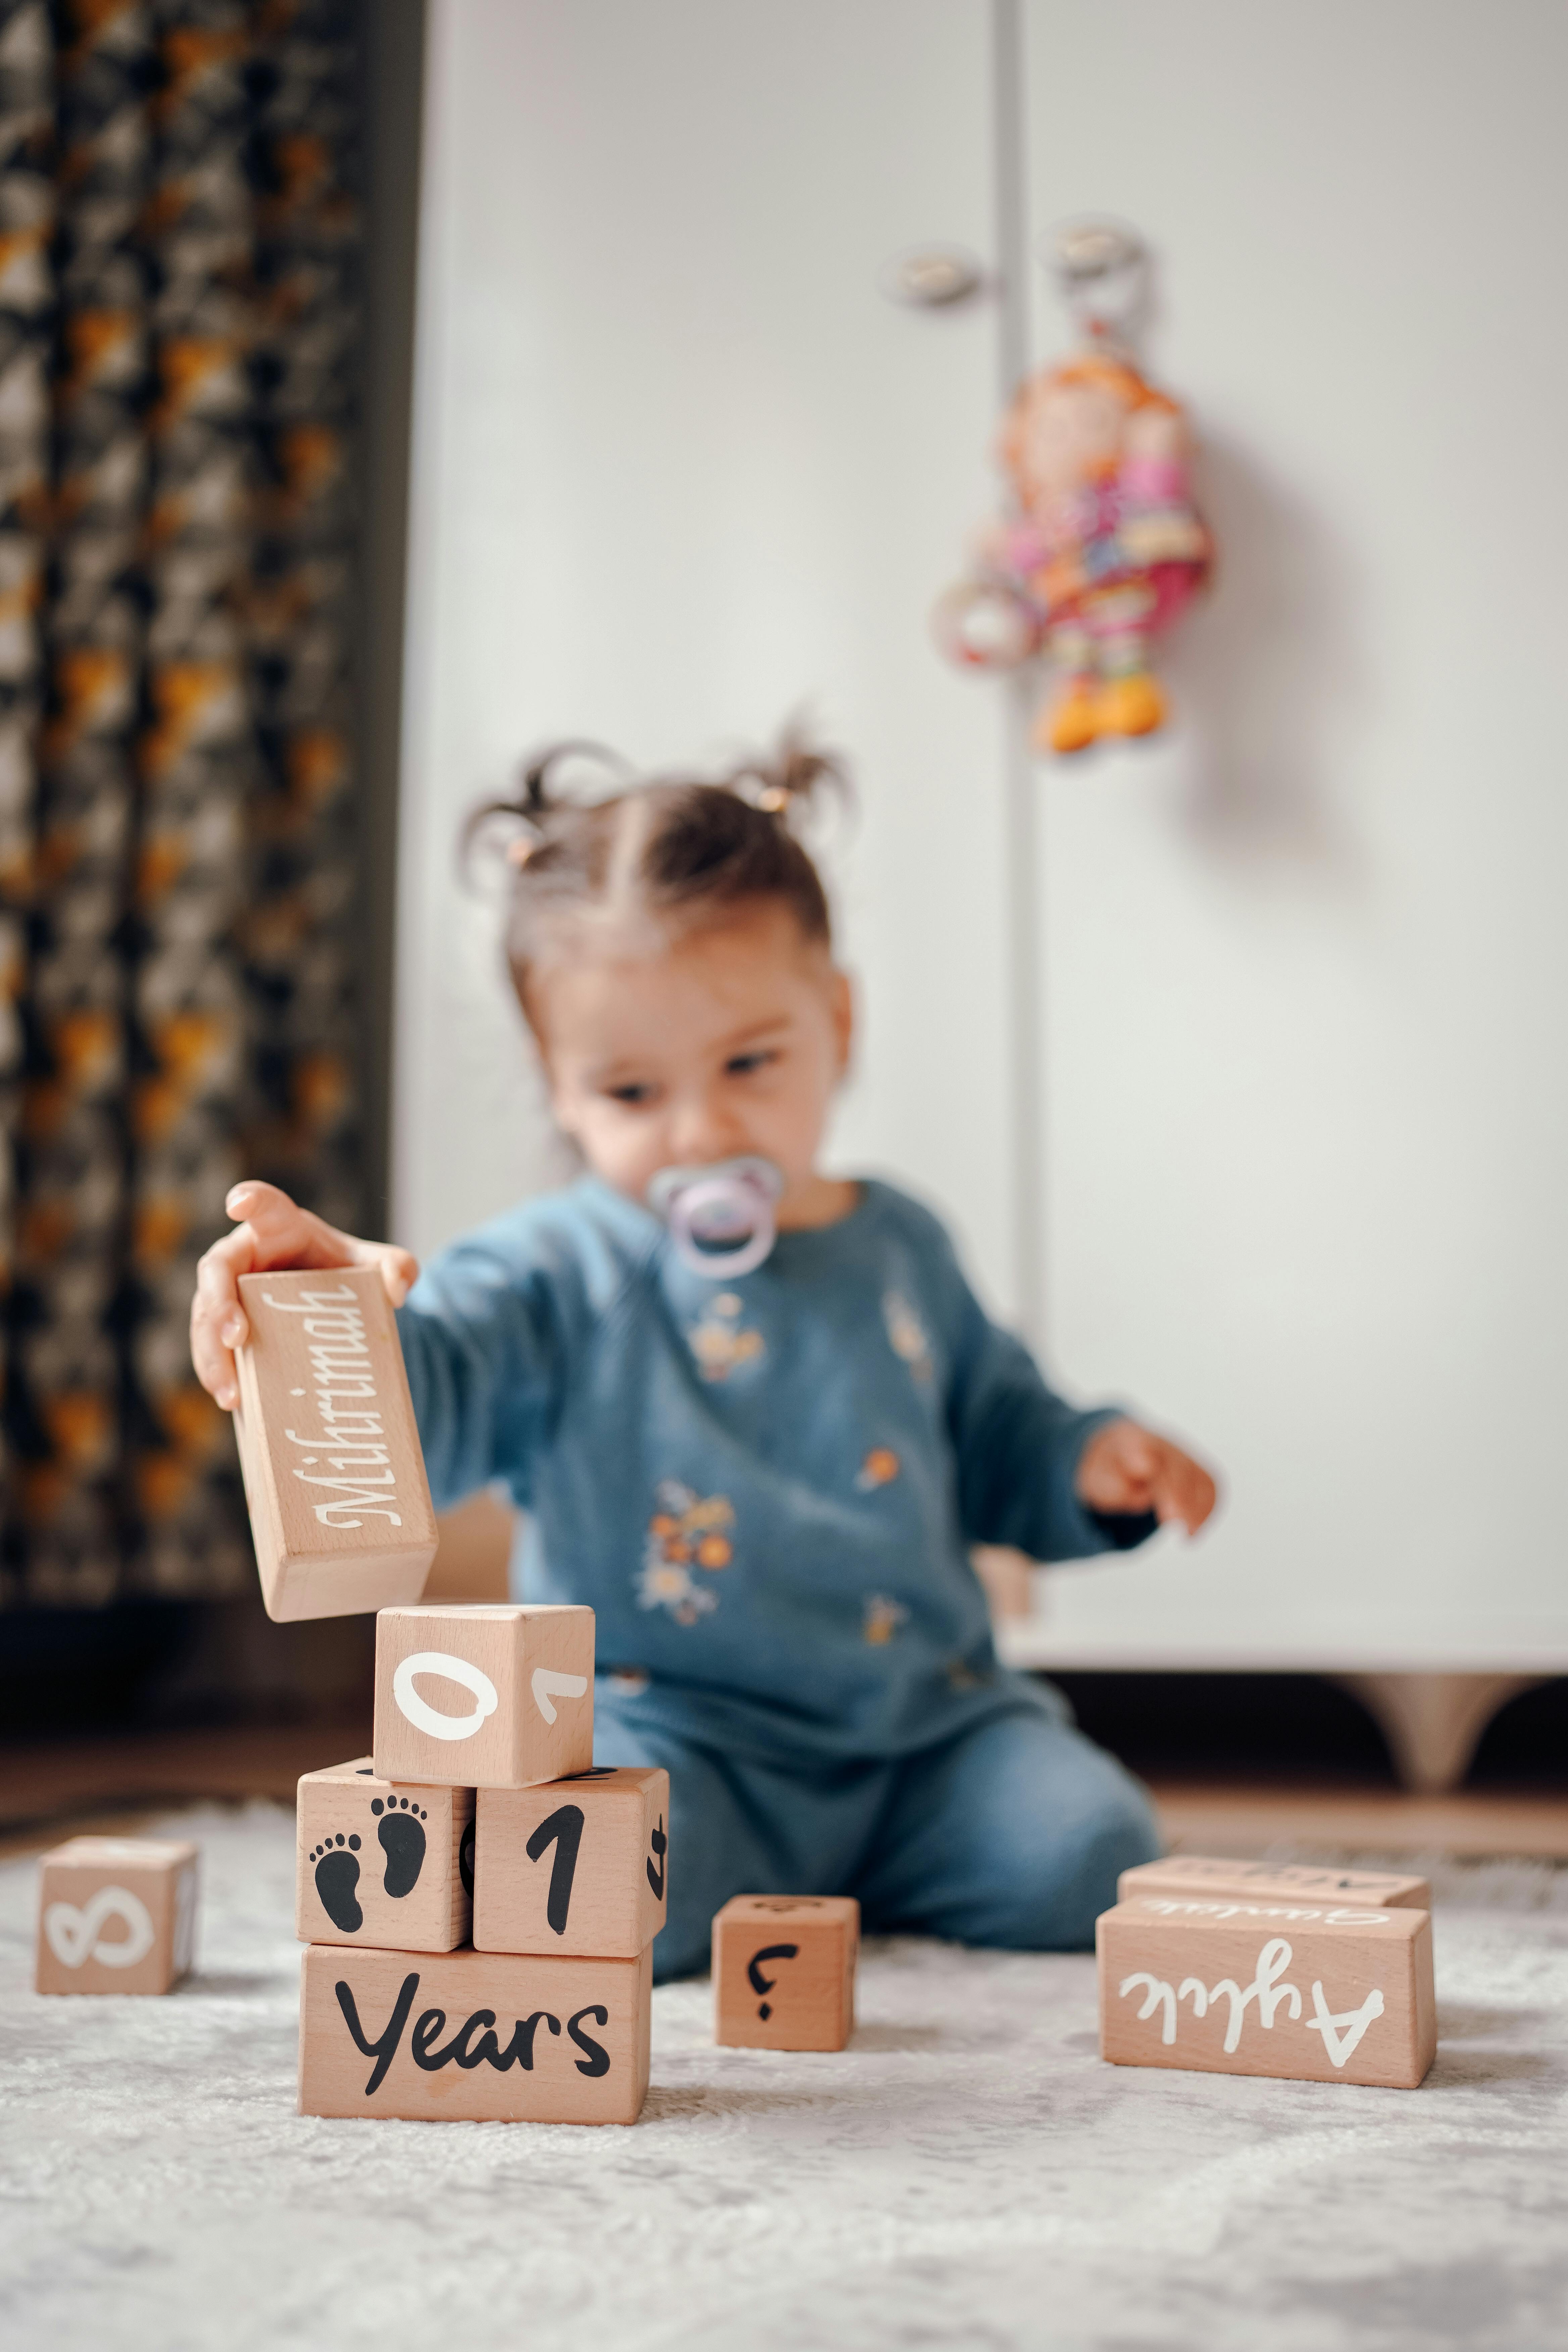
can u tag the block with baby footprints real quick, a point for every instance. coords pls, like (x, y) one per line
(576, 1866)
(486, 2037)
(485, 1697)
(383, 1863)
(1197, 1873)
(783, 1971)
(1325, 1991)
(334, 1479)
(116, 1914)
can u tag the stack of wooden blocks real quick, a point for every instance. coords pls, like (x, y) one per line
(479, 1900)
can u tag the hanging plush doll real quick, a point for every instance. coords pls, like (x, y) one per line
(1101, 551)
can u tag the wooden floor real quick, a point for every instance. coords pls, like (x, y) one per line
(49, 1790)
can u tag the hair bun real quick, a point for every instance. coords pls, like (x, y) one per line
(795, 773)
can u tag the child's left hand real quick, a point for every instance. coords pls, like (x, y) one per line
(1126, 1470)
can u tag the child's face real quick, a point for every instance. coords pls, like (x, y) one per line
(728, 1039)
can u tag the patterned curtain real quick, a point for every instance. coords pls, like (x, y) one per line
(179, 295)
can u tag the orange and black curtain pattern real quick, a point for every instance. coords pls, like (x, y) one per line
(179, 298)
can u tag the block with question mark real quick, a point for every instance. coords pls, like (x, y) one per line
(783, 1971)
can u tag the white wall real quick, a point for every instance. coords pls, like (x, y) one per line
(1307, 996)
(680, 466)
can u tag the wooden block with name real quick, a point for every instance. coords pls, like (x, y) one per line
(1328, 1992)
(1199, 1874)
(486, 2037)
(576, 1865)
(334, 1478)
(380, 1862)
(783, 1971)
(116, 1914)
(486, 1697)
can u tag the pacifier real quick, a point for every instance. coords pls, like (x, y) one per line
(720, 1218)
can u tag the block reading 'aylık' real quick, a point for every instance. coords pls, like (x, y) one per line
(486, 2037)
(340, 1508)
(1326, 1992)
(577, 1865)
(783, 1971)
(486, 1697)
(1200, 1873)
(116, 1914)
(382, 1863)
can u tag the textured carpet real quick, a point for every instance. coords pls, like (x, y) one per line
(968, 2173)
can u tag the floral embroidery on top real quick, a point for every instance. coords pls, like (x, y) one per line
(718, 1342)
(883, 1618)
(687, 1531)
(879, 1468)
(906, 1334)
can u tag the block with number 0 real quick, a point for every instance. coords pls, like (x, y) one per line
(483, 1697)
(579, 1866)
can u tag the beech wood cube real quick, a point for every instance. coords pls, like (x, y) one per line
(577, 1865)
(1325, 1993)
(1197, 1873)
(783, 1971)
(382, 1863)
(486, 1697)
(484, 2037)
(116, 1914)
(340, 1508)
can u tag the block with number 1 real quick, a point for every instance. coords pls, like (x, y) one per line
(490, 1698)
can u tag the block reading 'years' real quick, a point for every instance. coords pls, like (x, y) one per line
(484, 1697)
(783, 1971)
(487, 2037)
(334, 1479)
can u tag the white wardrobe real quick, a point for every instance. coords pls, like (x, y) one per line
(1299, 998)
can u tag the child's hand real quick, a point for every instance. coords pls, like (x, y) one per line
(277, 1233)
(1126, 1470)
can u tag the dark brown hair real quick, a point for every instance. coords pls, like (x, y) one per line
(676, 848)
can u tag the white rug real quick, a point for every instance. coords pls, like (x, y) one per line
(967, 2173)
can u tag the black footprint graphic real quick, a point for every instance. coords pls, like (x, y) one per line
(402, 1837)
(337, 1875)
(659, 1843)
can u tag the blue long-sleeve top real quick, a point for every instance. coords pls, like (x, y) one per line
(765, 1489)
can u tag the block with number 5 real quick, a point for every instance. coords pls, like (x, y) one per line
(578, 1867)
(483, 1697)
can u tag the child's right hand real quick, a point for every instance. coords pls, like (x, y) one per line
(277, 1233)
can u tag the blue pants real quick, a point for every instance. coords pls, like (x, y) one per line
(1011, 1834)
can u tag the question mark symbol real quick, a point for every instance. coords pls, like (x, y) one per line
(761, 1983)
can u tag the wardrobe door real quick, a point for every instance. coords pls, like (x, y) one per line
(682, 469)
(1305, 987)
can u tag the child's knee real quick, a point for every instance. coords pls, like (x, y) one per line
(1065, 1869)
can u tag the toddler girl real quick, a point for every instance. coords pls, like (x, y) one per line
(765, 1482)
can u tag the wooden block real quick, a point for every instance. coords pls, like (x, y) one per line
(1197, 1873)
(577, 1865)
(493, 1697)
(340, 1509)
(116, 1914)
(1326, 1992)
(488, 2037)
(383, 1863)
(783, 1971)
